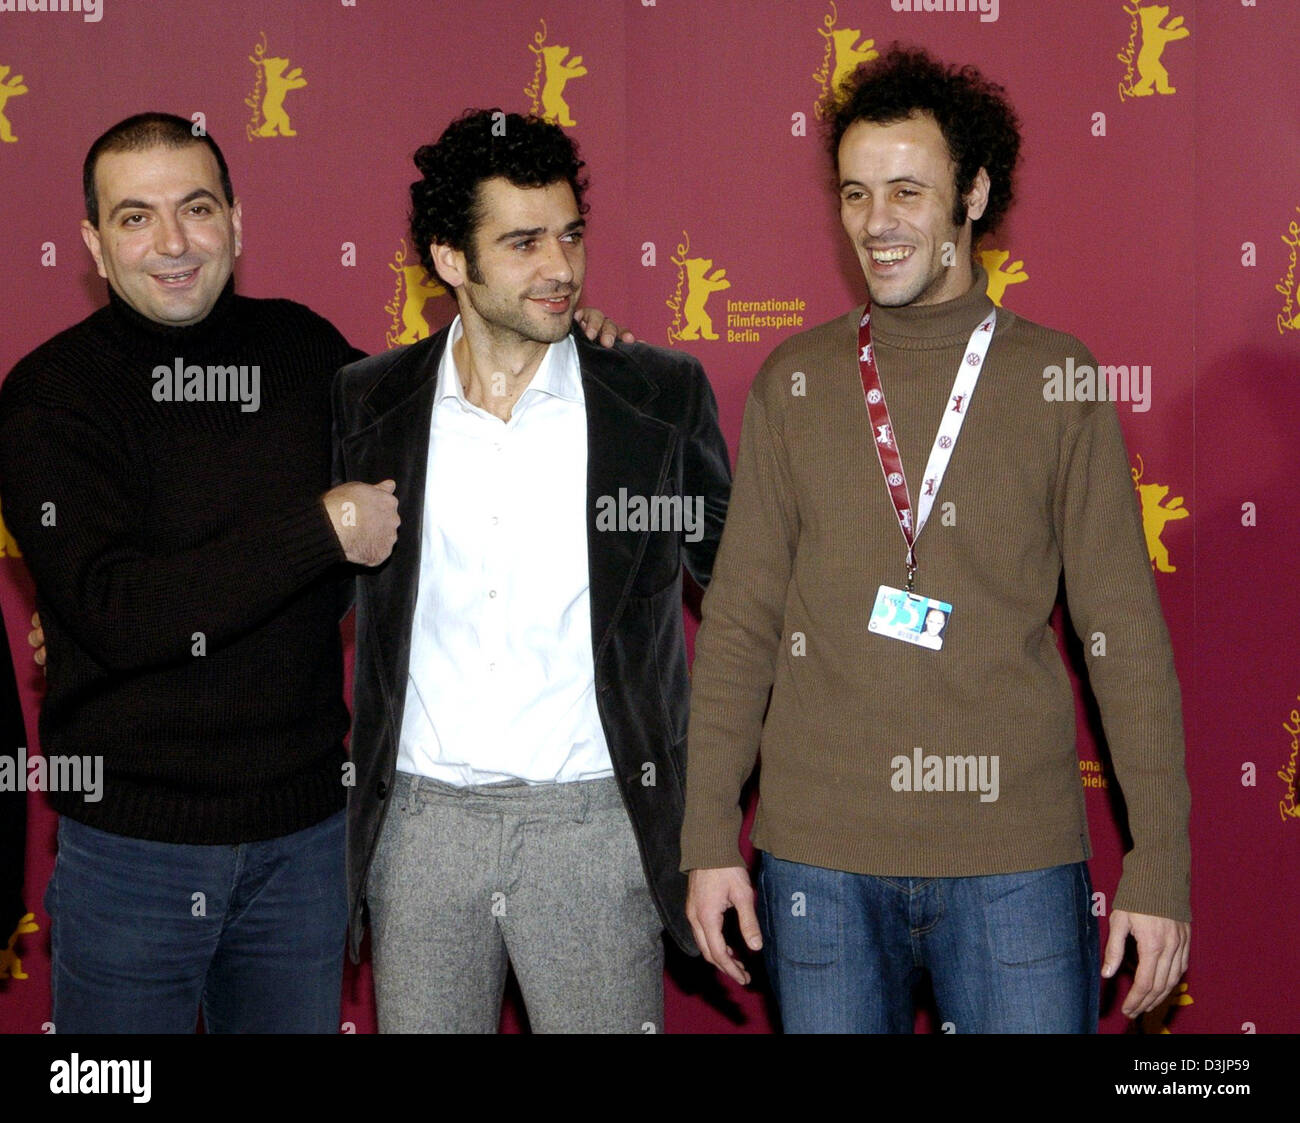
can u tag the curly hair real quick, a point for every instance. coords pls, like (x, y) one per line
(977, 121)
(482, 144)
(139, 134)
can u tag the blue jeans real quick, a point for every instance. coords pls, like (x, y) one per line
(144, 933)
(1006, 953)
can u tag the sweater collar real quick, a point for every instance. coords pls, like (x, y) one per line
(134, 328)
(934, 325)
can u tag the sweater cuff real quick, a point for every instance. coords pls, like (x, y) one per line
(1144, 887)
(308, 544)
(711, 844)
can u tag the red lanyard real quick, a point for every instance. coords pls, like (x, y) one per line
(891, 463)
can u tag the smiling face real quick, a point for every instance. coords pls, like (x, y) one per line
(528, 264)
(167, 239)
(897, 195)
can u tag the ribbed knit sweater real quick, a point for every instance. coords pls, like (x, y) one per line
(1034, 489)
(187, 574)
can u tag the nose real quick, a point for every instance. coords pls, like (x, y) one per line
(880, 220)
(558, 264)
(169, 237)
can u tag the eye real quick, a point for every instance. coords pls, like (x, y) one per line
(853, 195)
(202, 209)
(574, 237)
(133, 220)
(524, 245)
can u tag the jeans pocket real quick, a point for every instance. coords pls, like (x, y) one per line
(1034, 916)
(801, 905)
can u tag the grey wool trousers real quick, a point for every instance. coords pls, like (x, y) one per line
(546, 878)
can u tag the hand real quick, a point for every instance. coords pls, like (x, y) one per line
(593, 323)
(365, 519)
(709, 893)
(36, 638)
(1162, 946)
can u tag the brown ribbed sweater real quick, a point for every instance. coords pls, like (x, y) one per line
(1035, 488)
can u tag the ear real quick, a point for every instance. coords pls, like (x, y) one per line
(977, 198)
(90, 235)
(449, 264)
(237, 222)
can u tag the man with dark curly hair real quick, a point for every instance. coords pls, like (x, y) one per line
(920, 808)
(521, 686)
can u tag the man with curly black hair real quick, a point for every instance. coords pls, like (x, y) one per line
(521, 685)
(920, 808)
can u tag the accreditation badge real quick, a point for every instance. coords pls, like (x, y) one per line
(910, 617)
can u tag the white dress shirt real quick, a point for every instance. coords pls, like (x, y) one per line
(502, 683)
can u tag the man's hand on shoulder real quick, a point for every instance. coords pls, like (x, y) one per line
(709, 894)
(594, 323)
(1162, 946)
(365, 519)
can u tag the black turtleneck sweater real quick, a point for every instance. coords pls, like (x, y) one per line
(186, 570)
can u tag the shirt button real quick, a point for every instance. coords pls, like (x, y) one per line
(492, 593)
(496, 519)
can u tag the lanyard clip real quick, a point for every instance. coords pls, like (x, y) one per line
(911, 568)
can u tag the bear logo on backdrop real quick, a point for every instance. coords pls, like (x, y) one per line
(697, 280)
(8, 547)
(272, 82)
(1155, 514)
(412, 288)
(9, 87)
(1287, 806)
(552, 71)
(1144, 71)
(1157, 1021)
(1289, 318)
(844, 50)
(999, 277)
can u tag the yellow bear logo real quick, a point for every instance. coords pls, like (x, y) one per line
(9, 87)
(702, 284)
(1154, 39)
(1000, 278)
(849, 53)
(8, 547)
(418, 287)
(274, 119)
(11, 964)
(843, 55)
(1157, 1021)
(558, 75)
(1155, 514)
